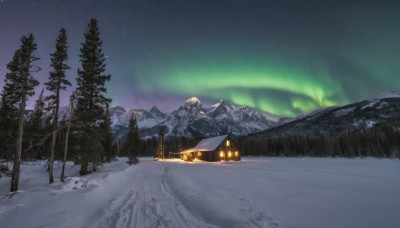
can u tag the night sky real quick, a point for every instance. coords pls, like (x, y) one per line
(283, 57)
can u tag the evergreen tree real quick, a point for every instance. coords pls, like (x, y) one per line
(8, 121)
(37, 115)
(133, 141)
(91, 94)
(35, 125)
(57, 82)
(161, 147)
(107, 137)
(69, 123)
(19, 84)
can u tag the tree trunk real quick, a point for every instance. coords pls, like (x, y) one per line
(51, 161)
(84, 167)
(53, 143)
(65, 150)
(71, 105)
(118, 147)
(17, 157)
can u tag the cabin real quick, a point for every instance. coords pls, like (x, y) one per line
(220, 148)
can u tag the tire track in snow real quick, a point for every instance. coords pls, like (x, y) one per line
(148, 203)
(116, 212)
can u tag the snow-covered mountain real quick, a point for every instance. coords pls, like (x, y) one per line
(192, 120)
(379, 113)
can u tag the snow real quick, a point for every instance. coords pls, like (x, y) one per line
(209, 144)
(383, 104)
(216, 105)
(148, 123)
(343, 112)
(388, 94)
(371, 104)
(193, 100)
(370, 123)
(256, 192)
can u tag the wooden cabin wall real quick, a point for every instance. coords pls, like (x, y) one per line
(232, 147)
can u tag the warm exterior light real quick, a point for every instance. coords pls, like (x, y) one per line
(228, 143)
(229, 154)
(199, 153)
(236, 154)
(221, 154)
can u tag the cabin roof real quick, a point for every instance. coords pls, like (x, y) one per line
(208, 144)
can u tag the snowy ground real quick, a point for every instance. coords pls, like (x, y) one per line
(257, 192)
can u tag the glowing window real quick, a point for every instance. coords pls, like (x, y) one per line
(199, 154)
(229, 154)
(228, 143)
(221, 154)
(236, 153)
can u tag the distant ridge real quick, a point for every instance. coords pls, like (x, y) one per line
(192, 120)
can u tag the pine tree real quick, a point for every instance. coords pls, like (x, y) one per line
(19, 84)
(133, 141)
(91, 93)
(57, 82)
(35, 124)
(38, 111)
(8, 123)
(69, 123)
(107, 141)
(160, 153)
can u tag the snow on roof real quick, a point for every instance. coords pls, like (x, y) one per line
(208, 144)
(187, 151)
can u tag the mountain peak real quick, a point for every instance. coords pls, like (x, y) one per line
(117, 111)
(118, 108)
(388, 94)
(155, 112)
(193, 100)
(154, 109)
(221, 102)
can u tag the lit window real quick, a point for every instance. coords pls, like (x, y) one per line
(221, 154)
(199, 154)
(228, 143)
(236, 153)
(229, 154)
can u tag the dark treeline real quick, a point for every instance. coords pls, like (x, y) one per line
(148, 147)
(382, 142)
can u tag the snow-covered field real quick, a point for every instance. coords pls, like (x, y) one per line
(256, 192)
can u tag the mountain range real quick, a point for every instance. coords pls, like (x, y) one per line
(377, 113)
(192, 120)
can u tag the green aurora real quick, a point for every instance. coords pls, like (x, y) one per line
(306, 90)
(283, 87)
(284, 57)
(286, 67)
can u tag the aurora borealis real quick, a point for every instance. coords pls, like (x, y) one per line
(283, 57)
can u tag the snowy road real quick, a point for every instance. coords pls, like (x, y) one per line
(148, 203)
(264, 192)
